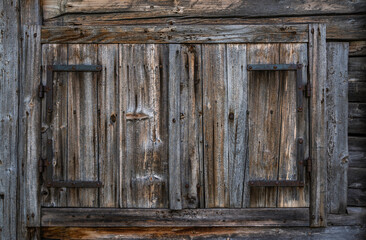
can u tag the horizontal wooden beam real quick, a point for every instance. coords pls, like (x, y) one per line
(188, 8)
(111, 217)
(176, 34)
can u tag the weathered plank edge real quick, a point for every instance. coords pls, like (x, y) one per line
(176, 34)
(114, 217)
(318, 135)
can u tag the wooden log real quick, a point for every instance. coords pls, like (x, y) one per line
(357, 178)
(9, 112)
(188, 8)
(337, 116)
(176, 34)
(357, 151)
(112, 217)
(201, 233)
(357, 48)
(355, 216)
(318, 75)
(356, 197)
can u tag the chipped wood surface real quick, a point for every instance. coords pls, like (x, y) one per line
(175, 34)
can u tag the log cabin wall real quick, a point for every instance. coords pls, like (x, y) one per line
(345, 23)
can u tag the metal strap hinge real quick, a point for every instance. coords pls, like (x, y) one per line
(41, 90)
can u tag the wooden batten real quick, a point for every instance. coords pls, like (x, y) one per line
(176, 34)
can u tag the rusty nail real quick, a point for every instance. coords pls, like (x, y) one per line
(299, 109)
(231, 116)
(274, 67)
(173, 120)
(250, 67)
(301, 140)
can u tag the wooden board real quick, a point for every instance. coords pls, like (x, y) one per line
(175, 34)
(144, 138)
(337, 125)
(188, 8)
(357, 151)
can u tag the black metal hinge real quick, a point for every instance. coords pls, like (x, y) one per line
(41, 90)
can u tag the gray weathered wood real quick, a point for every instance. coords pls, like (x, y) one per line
(82, 134)
(357, 79)
(357, 48)
(57, 131)
(112, 217)
(9, 103)
(175, 177)
(176, 34)
(356, 197)
(318, 135)
(237, 124)
(357, 151)
(215, 125)
(357, 178)
(337, 125)
(107, 125)
(188, 8)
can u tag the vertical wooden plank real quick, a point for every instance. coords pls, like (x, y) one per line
(318, 136)
(294, 125)
(337, 118)
(215, 118)
(175, 178)
(237, 125)
(107, 124)
(9, 104)
(145, 158)
(56, 130)
(190, 124)
(82, 161)
(28, 204)
(264, 123)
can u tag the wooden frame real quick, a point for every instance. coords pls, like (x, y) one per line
(313, 34)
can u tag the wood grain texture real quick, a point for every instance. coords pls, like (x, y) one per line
(111, 217)
(144, 161)
(175, 34)
(108, 81)
(188, 8)
(294, 126)
(341, 232)
(237, 124)
(357, 48)
(9, 117)
(357, 151)
(318, 114)
(357, 79)
(82, 131)
(356, 197)
(215, 125)
(55, 128)
(337, 125)
(264, 123)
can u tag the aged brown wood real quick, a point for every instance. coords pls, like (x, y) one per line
(10, 114)
(190, 8)
(357, 48)
(107, 217)
(215, 125)
(348, 232)
(264, 123)
(337, 116)
(143, 142)
(175, 34)
(318, 115)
